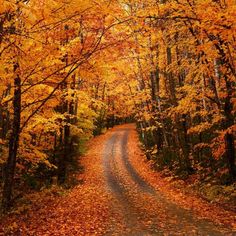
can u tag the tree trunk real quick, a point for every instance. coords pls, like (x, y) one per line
(229, 137)
(64, 157)
(65, 132)
(13, 144)
(60, 163)
(230, 154)
(181, 130)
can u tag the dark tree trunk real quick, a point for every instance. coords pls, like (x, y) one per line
(13, 145)
(5, 116)
(183, 145)
(60, 163)
(230, 154)
(64, 156)
(229, 136)
(170, 79)
(63, 147)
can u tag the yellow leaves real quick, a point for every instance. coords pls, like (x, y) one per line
(48, 164)
(217, 118)
(153, 151)
(31, 154)
(28, 12)
(77, 6)
(146, 116)
(185, 106)
(46, 123)
(200, 128)
(7, 6)
(70, 95)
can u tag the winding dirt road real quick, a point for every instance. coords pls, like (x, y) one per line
(138, 208)
(117, 194)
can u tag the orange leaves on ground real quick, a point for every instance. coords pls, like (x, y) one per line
(188, 200)
(83, 210)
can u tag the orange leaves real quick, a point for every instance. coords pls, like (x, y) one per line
(203, 127)
(7, 6)
(82, 210)
(62, 48)
(218, 144)
(177, 190)
(169, 63)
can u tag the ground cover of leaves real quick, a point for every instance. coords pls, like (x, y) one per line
(81, 211)
(166, 186)
(91, 209)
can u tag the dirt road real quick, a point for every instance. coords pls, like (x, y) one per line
(139, 209)
(117, 194)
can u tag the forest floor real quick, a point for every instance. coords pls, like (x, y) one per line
(117, 194)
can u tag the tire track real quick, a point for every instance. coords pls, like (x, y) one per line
(120, 206)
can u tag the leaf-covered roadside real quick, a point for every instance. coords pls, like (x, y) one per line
(91, 208)
(82, 210)
(174, 191)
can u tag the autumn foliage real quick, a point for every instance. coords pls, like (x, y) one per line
(55, 85)
(71, 69)
(184, 66)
